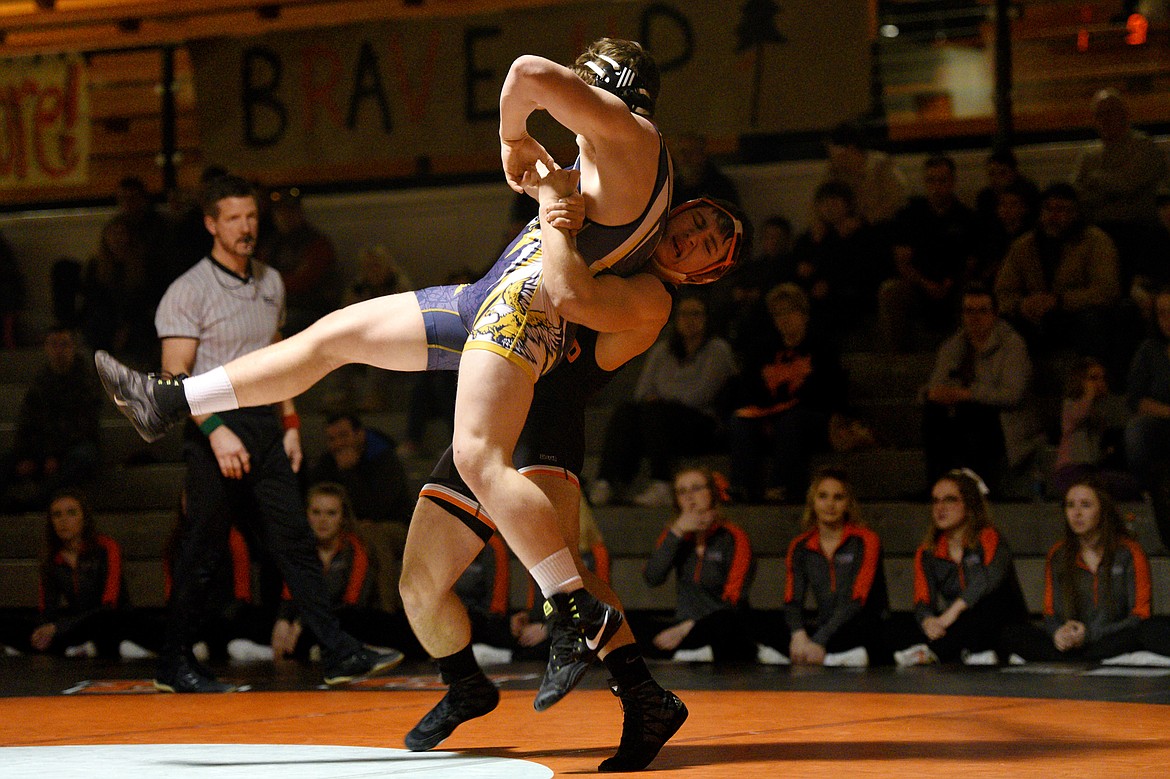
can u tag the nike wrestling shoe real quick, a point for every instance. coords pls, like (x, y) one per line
(579, 625)
(650, 716)
(137, 396)
(466, 699)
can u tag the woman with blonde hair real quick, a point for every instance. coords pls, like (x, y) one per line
(839, 560)
(350, 580)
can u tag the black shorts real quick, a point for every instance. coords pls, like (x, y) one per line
(446, 489)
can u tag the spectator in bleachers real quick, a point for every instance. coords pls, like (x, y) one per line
(695, 173)
(1003, 175)
(349, 578)
(136, 208)
(1156, 275)
(839, 561)
(840, 260)
(872, 175)
(1118, 182)
(1097, 589)
(232, 625)
(186, 241)
(711, 558)
(67, 291)
(306, 261)
(966, 592)
(378, 274)
(58, 433)
(114, 289)
(1015, 214)
(674, 412)
(83, 602)
(11, 296)
(364, 461)
(1058, 282)
(737, 303)
(1092, 429)
(978, 413)
(792, 382)
(1147, 435)
(935, 240)
(147, 230)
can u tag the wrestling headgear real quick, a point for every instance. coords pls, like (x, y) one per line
(717, 269)
(612, 76)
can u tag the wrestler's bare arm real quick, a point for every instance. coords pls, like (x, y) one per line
(535, 83)
(638, 305)
(619, 150)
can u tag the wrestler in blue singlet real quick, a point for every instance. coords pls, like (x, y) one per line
(453, 312)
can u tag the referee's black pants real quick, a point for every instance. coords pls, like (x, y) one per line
(268, 496)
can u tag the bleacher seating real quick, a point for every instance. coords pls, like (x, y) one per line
(137, 494)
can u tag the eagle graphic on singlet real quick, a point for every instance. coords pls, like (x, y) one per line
(506, 310)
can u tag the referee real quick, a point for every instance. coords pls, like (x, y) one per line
(242, 462)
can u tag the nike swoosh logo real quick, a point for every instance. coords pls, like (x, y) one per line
(120, 402)
(593, 643)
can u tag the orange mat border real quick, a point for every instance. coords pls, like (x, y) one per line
(729, 734)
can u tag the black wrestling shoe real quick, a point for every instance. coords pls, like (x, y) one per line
(579, 625)
(651, 716)
(185, 676)
(466, 699)
(362, 664)
(134, 395)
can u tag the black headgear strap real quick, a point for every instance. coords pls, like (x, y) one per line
(614, 77)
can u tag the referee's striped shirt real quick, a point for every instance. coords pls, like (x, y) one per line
(230, 316)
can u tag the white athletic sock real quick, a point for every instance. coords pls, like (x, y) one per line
(210, 392)
(557, 573)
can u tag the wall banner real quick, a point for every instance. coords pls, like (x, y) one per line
(427, 89)
(44, 122)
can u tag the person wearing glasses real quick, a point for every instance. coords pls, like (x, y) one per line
(711, 558)
(966, 592)
(977, 412)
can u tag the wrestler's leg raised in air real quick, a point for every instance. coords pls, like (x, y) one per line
(387, 332)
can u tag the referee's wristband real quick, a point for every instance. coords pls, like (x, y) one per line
(209, 425)
(291, 421)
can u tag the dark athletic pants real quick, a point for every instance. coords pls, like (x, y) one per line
(268, 496)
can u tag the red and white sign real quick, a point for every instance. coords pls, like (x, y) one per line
(44, 122)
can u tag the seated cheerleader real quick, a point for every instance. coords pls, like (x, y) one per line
(84, 609)
(965, 586)
(711, 558)
(1096, 589)
(839, 560)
